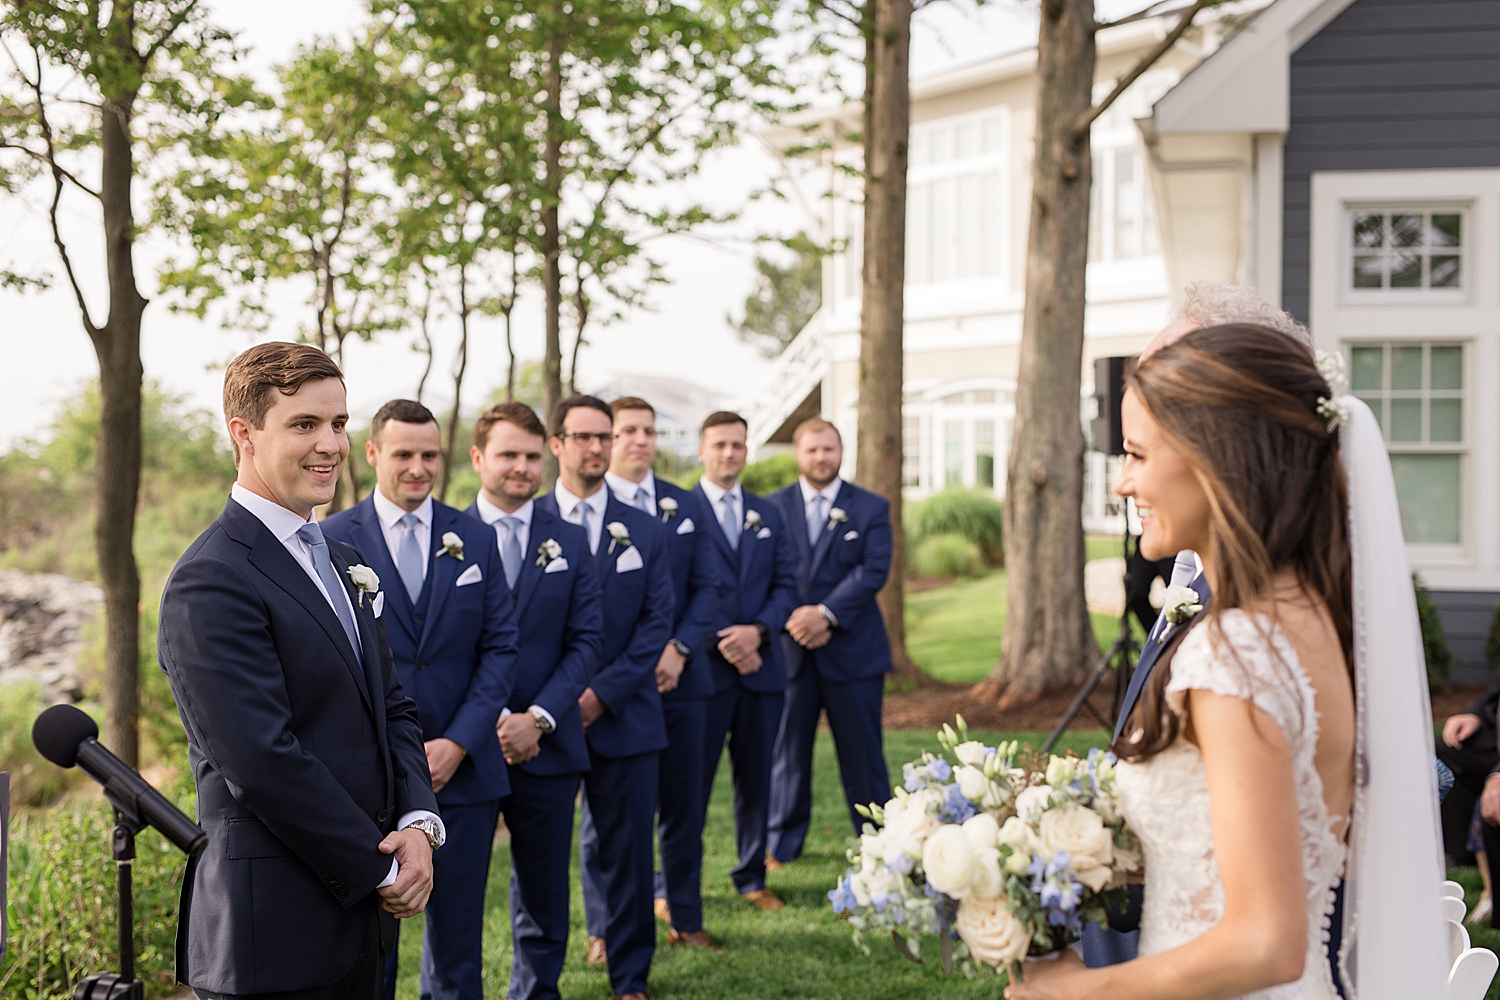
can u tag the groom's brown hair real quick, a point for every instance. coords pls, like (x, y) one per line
(256, 375)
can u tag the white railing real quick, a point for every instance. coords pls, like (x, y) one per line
(794, 374)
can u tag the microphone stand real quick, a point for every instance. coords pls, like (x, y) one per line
(122, 985)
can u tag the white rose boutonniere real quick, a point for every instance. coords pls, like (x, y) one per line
(453, 545)
(618, 535)
(1180, 604)
(668, 507)
(365, 581)
(836, 516)
(752, 520)
(547, 551)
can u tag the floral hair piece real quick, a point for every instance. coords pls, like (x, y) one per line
(1334, 409)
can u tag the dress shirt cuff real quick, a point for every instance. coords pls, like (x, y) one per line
(406, 821)
(391, 878)
(832, 618)
(539, 710)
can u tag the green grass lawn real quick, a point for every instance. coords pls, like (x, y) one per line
(801, 951)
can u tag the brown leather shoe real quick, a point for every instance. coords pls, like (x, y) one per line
(773, 865)
(764, 899)
(663, 911)
(693, 939)
(596, 955)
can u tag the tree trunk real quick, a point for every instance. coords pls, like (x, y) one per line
(117, 345)
(510, 345)
(887, 120)
(427, 345)
(1048, 639)
(552, 238)
(581, 307)
(451, 455)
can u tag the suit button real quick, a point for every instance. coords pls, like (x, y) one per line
(422, 666)
(343, 894)
(417, 619)
(382, 816)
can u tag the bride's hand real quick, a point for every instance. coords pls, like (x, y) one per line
(1050, 980)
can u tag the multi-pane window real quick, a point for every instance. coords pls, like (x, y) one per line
(953, 200)
(1417, 393)
(956, 439)
(1122, 222)
(953, 453)
(1406, 248)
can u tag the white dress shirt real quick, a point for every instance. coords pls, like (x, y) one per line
(283, 524)
(716, 494)
(390, 515)
(628, 492)
(809, 498)
(490, 514)
(596, 502)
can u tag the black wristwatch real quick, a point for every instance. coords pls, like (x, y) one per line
(683, 648)
(765, 633)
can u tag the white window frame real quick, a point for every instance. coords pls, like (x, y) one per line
(1408, 296)
(929, 403)
(978, 164)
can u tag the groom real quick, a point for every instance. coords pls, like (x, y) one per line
(311, 777)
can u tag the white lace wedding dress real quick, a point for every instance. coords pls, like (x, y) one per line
(1165, 799)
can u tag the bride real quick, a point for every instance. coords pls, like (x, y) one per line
(1287, 855)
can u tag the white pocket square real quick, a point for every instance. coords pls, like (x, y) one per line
(763, 533)
(686, 527)
(468, 576)
(557, 565)
(629, 559)
(377, 606)
(850, 536)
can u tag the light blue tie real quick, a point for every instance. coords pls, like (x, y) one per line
(312, 534)
(409, 557)
(642, 500)
(581, 516)
(510, 550)
(729, 522)
(815, 518)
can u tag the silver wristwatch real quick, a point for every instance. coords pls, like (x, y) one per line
(431, 828)
(541, 722)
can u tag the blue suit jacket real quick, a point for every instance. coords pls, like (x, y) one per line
(459, 659)
(304, 756)
(843, 571)
(561, 629)
(1161, 636)
(638, 610)
(762, 587)
(698, 582)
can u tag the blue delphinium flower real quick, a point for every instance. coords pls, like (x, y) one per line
(1057, 890)
(938, 770)
(901, 864)
(841, 896)
(913, 778)
(955, 808)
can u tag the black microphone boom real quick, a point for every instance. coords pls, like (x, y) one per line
(66, 736)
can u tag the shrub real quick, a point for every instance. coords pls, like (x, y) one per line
(33, 780)
(946, 554)
(976, 516)
(770, 474)
(1434, 641)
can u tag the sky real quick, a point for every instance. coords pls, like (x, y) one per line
(684, 333)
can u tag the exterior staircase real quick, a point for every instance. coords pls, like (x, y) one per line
(795, 374)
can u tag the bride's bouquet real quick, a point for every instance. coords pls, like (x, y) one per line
(996, 856)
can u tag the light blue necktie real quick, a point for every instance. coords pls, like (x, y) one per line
(642, 501)
(510, 550)
(312, 534)
(581, 516)
(815, 518)
(729, 522)
(409, 557)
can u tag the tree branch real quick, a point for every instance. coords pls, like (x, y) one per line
(823, 5)
(1081, 129)
(166, 35)
(43, 159)
(58, 178)
(1145, 13)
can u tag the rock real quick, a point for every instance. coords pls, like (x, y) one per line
(44, 621)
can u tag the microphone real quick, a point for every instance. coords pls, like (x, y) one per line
(68, 737)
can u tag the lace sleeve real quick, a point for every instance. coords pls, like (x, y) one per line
(1251, 660)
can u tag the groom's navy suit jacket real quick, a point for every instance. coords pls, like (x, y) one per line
(637, 614)
(1161, 636)
(843, 571)
(304, 759)
(762, 587)
(456, 650)
(561, 629)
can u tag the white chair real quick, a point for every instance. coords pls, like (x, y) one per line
(1451, 888)
(1452, 909)
(1472, 974)
(1458, 939)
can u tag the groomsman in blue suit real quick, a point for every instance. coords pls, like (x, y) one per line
(836, 647)
(682, 671)
(747, 663)
(452, 630)
(554, 585)
(621, 707)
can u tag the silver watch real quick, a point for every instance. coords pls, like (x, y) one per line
(432, 828)
(541, 722)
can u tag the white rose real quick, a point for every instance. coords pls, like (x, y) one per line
(994, 936)
(972, 753)
(991, 880)
(1082, 834)
(1018, 863)
(1033, 800)
(869, 882)
(912, 816)
(951, 862)
(972, 782)
(364, 578)
(1017, 833)
(982, 831)
(1095, 878)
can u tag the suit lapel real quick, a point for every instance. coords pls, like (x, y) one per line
(531, 574)
(372, 544)
(825, 533)
(795, 515)
(748, 541)
(441, 567)
(1159, 639)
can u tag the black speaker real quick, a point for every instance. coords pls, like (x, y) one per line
(1109, 386)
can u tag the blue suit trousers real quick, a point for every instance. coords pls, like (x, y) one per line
(854, 716)
(748, 719)
(682, 806)
(539, 814)
(614, 847)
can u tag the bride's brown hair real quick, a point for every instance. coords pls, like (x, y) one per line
(1240, 403)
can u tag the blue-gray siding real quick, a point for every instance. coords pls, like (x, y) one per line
(1388, 85)
(1466, 622)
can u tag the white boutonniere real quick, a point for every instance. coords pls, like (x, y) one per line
(752, 520)
(836, 516)
(1180, 604)
(547, 551)
(365, 581)
(453, 545)
(618, 535)
(668, 507)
